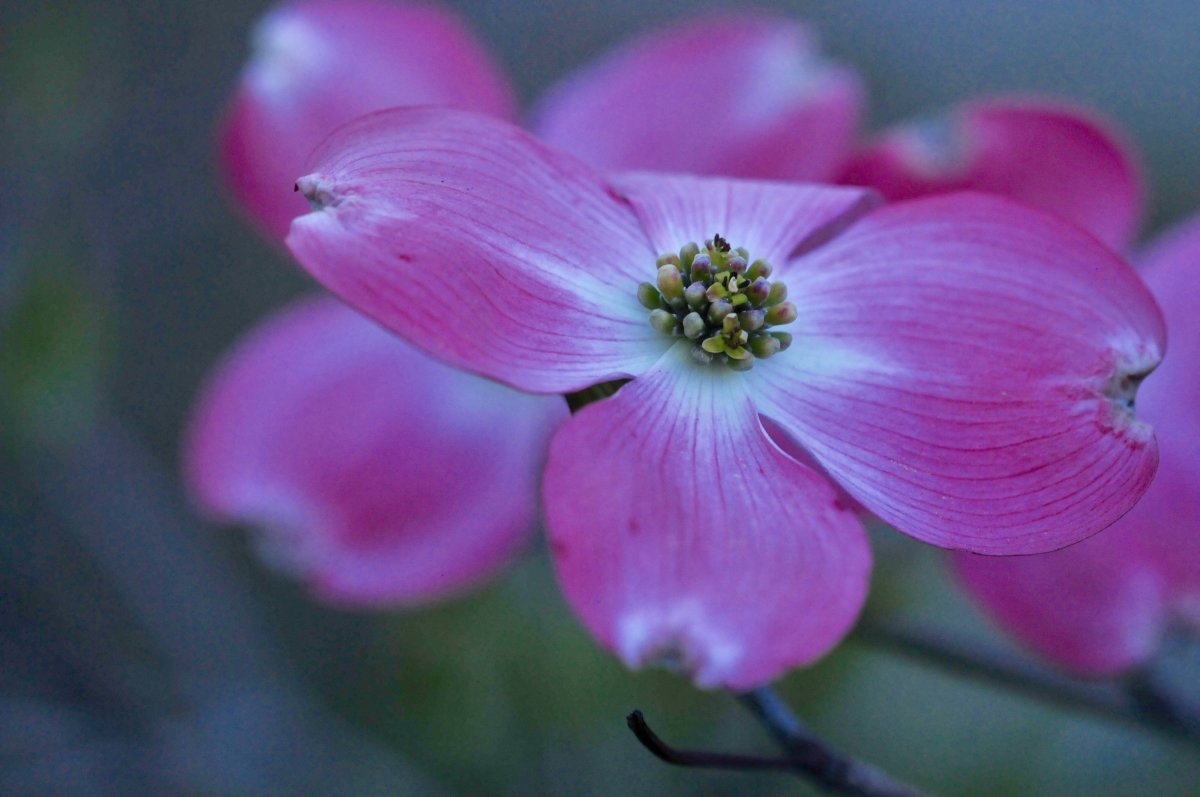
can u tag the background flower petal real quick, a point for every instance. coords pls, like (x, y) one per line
(745, 95)
(963, 366)
(770, 219)
(476, 242)
(379, 475)
(1171, 401)
(1094, 607)
(1046, 153)
(682, 535)
(317, 64)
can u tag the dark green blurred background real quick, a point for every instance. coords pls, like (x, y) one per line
(145, 653)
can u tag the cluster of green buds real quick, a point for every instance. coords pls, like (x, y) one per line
(717, 298)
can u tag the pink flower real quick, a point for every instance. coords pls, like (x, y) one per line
(317, 64)
(736, 95)
(1102, 606)
(1047, 154)
(962, 366)
(372, 492)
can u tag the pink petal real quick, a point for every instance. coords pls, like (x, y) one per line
(379, 475)
(317, 64)
(1053, 156)
(1170, 513)
(958, 366)
(740, 95)
(1101, 606)
(770, 219)
(1095, 607)
(683, 536)
(475, 242)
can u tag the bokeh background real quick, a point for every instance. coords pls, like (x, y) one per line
(145, 652)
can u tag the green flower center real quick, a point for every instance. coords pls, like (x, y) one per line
(721, 301)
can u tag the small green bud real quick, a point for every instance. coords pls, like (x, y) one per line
(764, 346)
(784, 338)
(663, 321)
(751, 320)
(687, 254)
(758, 291)
(782, 314)
(759, 268)
(670, 282)
(718, 310)
(736, 353)
(668, 259)
(739, 300)
(696, 295)
(778, 294)
(693, 325)
(713, 345)
(649, 296)
(701, 267)
(736, 264)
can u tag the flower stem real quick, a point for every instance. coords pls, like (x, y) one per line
(1138, 699)
(701, 759)
(806, 755)
(829, 768)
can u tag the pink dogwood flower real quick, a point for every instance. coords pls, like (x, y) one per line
(1047, 154)
(372, 492)
(1102, 606)
(963, 366)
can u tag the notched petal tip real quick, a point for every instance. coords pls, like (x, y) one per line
(678, 640)
(1118, 389)
(318, 191)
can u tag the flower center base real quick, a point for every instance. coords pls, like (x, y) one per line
(721, 301)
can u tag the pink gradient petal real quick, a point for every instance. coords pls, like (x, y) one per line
(474, 241)
(957, 367)
(1170, 513)
(318, 64)
(770, 219)
(1101, 606)
(684, 536)
(380, 476)
(739, 95)
(1053, 156)
(1089, 607)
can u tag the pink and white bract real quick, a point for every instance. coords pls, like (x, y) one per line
(317, 64)
(741, 95)
(1045, 153)
(373, 492)
(1103, 605)
(962, 366)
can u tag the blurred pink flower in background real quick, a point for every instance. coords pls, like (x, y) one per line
(376, 475)
(1103, 605)
(734, 95)
(317, 64)
(373, 492)
(1046, 153)
(962, 366)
